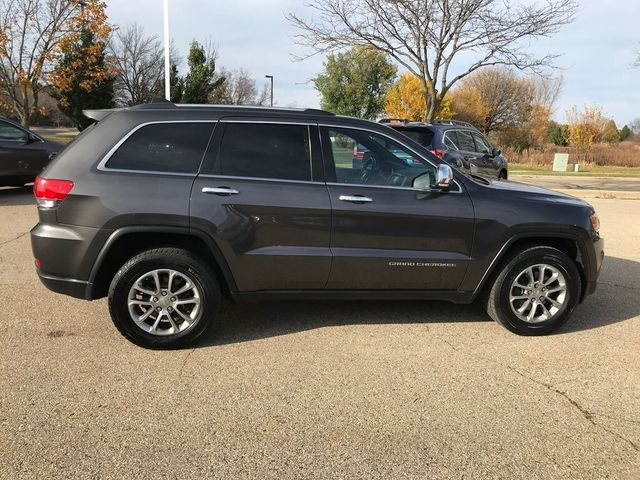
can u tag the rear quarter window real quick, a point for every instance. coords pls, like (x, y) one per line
(163, 147)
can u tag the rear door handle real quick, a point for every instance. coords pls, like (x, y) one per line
(220, 191)
(355, 198)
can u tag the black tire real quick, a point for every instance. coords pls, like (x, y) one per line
(181, 261)
(496, 298)
(502, 175)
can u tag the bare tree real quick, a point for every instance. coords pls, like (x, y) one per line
(545, 90)
(140, 59)
(239, 89)
(506, 98)
(30, 31)
(426, 36)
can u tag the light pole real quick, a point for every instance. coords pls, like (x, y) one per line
(271, 78)
(167, 60)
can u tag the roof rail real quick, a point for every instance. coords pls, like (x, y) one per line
(393, 120)
(452, 122)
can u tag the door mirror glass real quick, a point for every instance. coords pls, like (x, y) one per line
(444, 176)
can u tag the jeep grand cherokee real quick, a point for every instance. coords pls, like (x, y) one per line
(165, 208)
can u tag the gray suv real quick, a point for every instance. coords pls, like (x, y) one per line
(458, 143)
(166, 208)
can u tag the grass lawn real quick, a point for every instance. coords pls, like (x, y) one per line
(584, 171)
(63, 139)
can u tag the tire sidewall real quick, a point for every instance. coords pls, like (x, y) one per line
(533, 257)
(134, 269)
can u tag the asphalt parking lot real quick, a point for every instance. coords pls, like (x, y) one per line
(321, 390)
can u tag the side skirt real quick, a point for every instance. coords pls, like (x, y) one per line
(350, 295)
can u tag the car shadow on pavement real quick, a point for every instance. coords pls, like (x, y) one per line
(13, 196)
(616, 299)
(239, 323)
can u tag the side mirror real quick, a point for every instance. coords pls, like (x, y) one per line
(444, 177)
(495, 152)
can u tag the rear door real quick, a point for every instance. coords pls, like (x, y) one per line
(261, 196)
(467, 146)
(484, 148)
(390, 229)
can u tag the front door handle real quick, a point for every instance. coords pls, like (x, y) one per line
(220, 191)
(355, 198)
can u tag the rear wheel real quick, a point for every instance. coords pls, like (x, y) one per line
(535, 292)
(502, 175)
(163, 298)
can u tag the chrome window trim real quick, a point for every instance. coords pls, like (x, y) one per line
(260, 179)
(411, 189)
(460, 190)
(102, 165)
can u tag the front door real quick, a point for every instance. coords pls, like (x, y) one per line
(20, 158)
(267, 208)
(390, 228)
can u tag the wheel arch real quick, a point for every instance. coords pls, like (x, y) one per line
(127, 242)
(566, 243)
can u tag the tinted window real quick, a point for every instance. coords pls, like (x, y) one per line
(164, 147)
(451, 140)
(366, 158)
(265, 151)
(482, 145)
(423, 137)
(11, 132)
(465, 141)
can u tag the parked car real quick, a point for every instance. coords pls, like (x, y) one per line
(457, 143)
(23, 154)
(165, 208)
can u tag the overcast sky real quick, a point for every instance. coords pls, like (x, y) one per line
(597, 49)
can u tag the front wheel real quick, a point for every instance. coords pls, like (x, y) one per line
(535, 292)
(163, 298)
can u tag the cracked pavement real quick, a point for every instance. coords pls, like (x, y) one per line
(321, 390)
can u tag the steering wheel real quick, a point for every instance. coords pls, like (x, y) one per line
(368, 167)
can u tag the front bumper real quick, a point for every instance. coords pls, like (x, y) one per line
(592, 270)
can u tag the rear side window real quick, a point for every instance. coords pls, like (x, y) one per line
(163, 147)
(265, 151)
(423, 137)
(465, 141)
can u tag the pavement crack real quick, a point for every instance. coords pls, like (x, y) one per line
(619, 285)
(588, 415)
(14, 239)
(184, 362)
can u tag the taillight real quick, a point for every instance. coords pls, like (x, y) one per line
(51, 192)
(438, 153)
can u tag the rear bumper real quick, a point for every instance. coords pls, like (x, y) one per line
(66, 286)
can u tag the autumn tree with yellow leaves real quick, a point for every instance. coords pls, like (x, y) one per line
(405, 100)
(30, 32)
(84, 76)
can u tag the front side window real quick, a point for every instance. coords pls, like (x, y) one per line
(482, 146)
(465, 141)
(12, 133)
(163, 147)
(380, 160)
(262, 150)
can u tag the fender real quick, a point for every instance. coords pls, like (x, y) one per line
(184, 231)
(576, 234)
